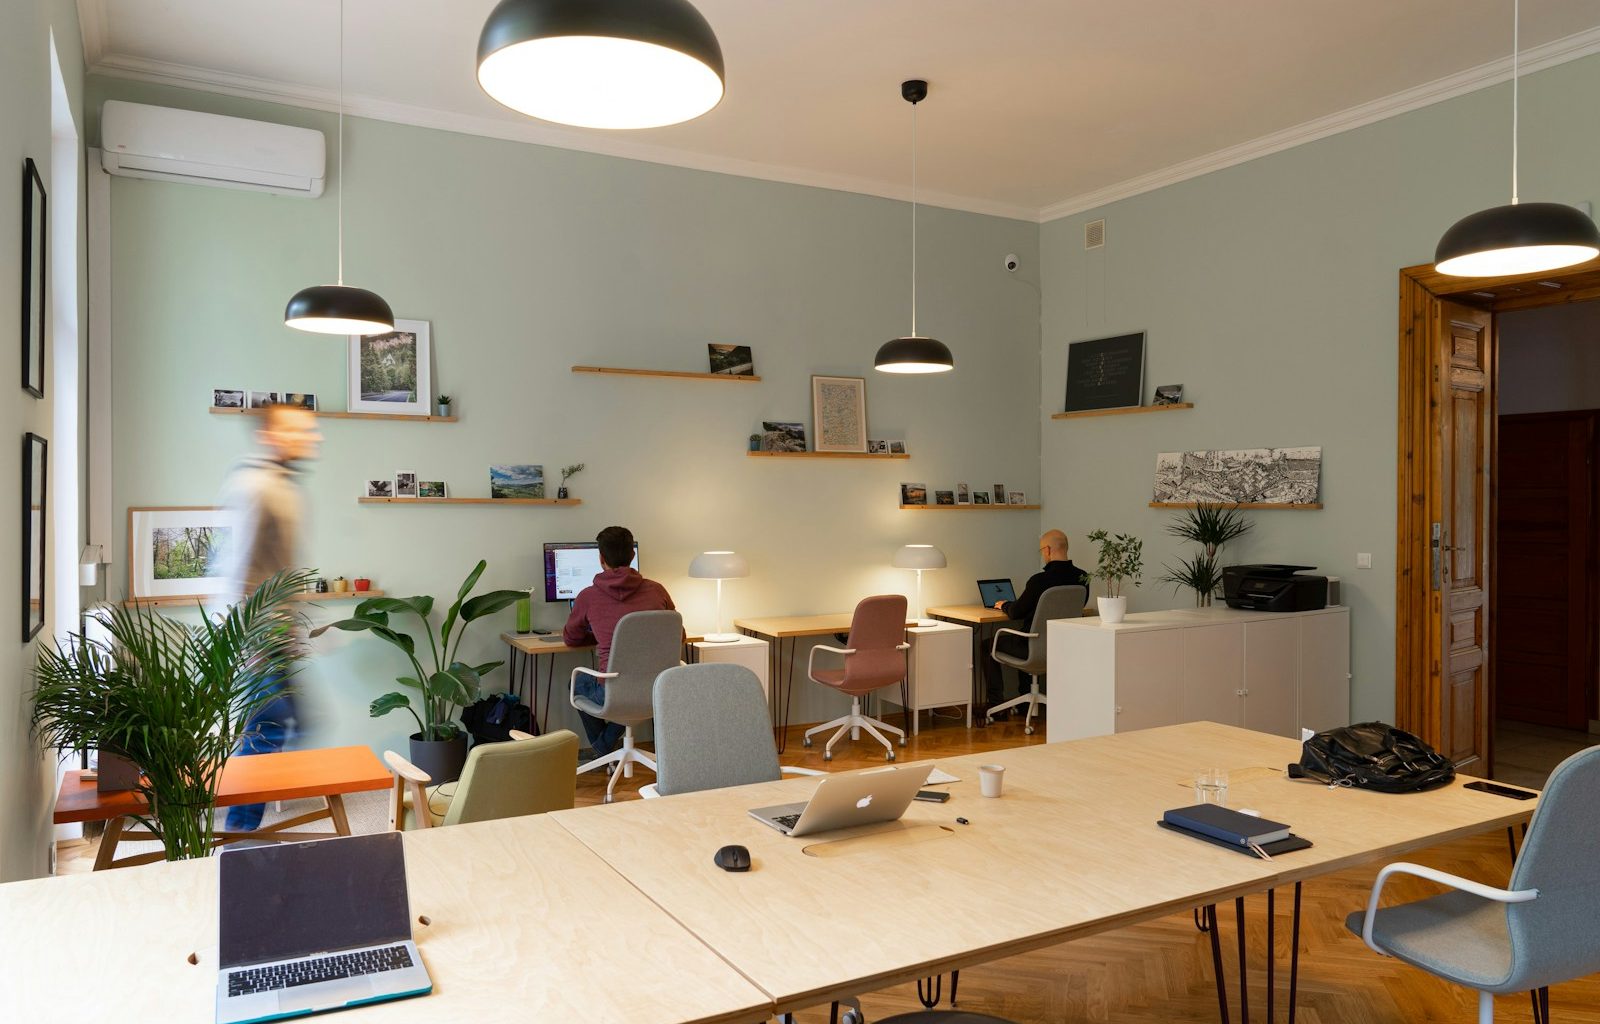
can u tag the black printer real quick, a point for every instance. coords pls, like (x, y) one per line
(1273, 588)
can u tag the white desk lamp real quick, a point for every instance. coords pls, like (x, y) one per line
(719, 566)
(919, 557)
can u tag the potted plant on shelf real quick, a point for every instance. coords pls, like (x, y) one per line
(439, 746)
(444, 405)
(1210, 526)
(567, 474)
(1200, 574)
(175, 699)
(1121, 558)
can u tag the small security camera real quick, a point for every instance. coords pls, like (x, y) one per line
(1012, 263)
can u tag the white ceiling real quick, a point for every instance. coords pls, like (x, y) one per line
(1036, 108)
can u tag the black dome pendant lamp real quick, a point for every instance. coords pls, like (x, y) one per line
(1523, 238)
(914, 353)
(601, 63)
(339, 308)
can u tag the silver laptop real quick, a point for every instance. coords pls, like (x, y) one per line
(309, 927)
(849, 798)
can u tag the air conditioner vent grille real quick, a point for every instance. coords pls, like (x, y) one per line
(1094, 234)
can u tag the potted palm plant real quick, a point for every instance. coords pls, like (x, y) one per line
(174, 699)
(1210, 526)
(439, 746)
(1121, 558)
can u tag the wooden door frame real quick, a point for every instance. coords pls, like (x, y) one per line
(1417, 692)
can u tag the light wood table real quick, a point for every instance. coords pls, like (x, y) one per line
(328, 772)
(1079, 818)
(524, 924)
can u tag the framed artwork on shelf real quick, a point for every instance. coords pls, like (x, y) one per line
(980, 497)
(515, 481)
(35, 521)
(431, 489)
(227, 398)
(731, 360)
(944, 497)
(35, 290)
(405, 483)
(839, 413)
(178, 551)
(963, 494)
(782, 437)
(300, 399)
(390, 372)
(262, 399)
(913, 494)
(1107, 373)
(380, 488)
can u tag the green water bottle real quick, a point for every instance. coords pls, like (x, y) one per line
(525, 614)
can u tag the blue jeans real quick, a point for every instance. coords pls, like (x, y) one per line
(604, 736)
(269, 729)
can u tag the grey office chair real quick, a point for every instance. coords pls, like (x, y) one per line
(712, 731)
(644, 645)
(1055, 603)
(1542, 929)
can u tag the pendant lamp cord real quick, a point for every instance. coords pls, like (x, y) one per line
(913, 220)
(1516, 52)
(341, 142)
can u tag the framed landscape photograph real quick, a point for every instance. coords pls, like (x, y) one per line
(516, 481)
(35, 231)
(35, 521)
(431, 489)
(783, 437)
(1017, 498)
(913, 494)
(300, 399)
(390, 372)
(227, 398)
(262, 399)
(944, 497)
(897, 447)
(178, 551)
(839, 413)
(732, 360)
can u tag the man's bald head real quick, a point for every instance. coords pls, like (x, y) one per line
(1053, 546)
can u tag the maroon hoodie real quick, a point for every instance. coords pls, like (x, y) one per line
(615, 593)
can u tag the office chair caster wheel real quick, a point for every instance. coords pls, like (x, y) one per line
(1027, 730)
(902, 741)
(851, 1017)
(805, 741)
(889, 756)
(827, 755)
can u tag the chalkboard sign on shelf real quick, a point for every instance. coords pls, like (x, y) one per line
(1107, 373)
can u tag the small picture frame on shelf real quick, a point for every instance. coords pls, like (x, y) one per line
(380, 488)
(980, 497)
(999, 494)
(516, 480)
(782, 437)
(405, 484)
(431, 489)
(913, 494)
(1016, 498)
(877, 447)
(897, 447)
(1169, 394)
(300, 400)
(731, 360)
(963, 494)
(262, 399)
(227, 398)
(944, 497)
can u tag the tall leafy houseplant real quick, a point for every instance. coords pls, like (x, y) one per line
(173, 698)
(1210, 526)
(1121, 558)
(450, 684)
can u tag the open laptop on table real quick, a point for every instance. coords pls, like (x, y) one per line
(849, 798)
(990, 591)
(309, 927)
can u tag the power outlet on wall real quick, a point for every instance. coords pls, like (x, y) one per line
(1363, 560)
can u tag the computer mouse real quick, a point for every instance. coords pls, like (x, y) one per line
(733, 858)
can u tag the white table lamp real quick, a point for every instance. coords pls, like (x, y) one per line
(719, 566)
(919, 557)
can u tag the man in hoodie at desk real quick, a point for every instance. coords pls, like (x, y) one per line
(1058, 571)
(618, 590)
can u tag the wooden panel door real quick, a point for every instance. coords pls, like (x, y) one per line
(1462, 423)
(1544, 657)
(1271, 676)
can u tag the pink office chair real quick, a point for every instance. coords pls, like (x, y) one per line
(875, 659)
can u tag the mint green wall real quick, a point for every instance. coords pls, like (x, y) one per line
(528, 260)
(26, 780)
(1269, 290)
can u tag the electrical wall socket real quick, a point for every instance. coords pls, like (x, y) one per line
(1364, 560)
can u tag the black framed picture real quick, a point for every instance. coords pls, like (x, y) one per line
(35, 230)
(35, 521)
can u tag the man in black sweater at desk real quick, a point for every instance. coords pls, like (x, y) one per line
(1058, 571)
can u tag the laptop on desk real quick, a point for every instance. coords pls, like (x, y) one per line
(849, 798)
(309, 927)
(990, 591)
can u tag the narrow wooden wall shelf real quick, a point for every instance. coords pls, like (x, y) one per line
(190, 600)
(966, 508)
(824, 455)
(1124, 411)
(346, 415)
(1312, 507)
(748, 379)
(564, 502)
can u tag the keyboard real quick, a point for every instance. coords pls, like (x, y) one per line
(786, 821)
(318, 969)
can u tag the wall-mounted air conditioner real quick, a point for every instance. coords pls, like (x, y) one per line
(141, 141)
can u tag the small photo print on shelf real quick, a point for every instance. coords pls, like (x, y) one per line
(732, 360)
(980, 497)
(897, 447)
(1016, 498)
(430, 489)
(877, 447)
(999, 494)
(516, 481)
(944, 497)
(227, 398)
(405, 484)
(1169, 394)
(262, 399)
(300, 400)
(963, 494)
(783, 437)
(380, 488)
(913, 494)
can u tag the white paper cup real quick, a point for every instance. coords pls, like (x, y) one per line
(991, 778)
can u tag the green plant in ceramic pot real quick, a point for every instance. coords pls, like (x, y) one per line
(439, 746)
(1210, 526)
(175, 699)
(567, 474)
(1121, 558)
(444, 405)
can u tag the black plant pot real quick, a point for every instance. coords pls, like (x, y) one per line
(561, 492)
(441, 759)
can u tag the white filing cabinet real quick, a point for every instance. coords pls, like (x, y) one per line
(1271, 672)
(940, 676)
(747, 651)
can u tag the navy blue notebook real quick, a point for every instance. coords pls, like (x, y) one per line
(1219, 822)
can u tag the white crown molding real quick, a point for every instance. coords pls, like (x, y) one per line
(1547, 55)
(92, 28)
(116, 65)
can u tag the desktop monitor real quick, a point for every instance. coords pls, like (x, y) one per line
(569, 566)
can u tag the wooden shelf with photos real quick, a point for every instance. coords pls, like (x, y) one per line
(748, 378)
(192, 599)
(1125, 410)
(323, 415)
(827, 455)
(969, 508)
(563, 502)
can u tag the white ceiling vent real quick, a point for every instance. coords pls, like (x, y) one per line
(1094, 234)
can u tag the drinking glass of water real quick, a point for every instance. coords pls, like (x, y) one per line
(1211, 786)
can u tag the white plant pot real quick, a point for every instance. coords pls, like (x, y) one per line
(1112, 609)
